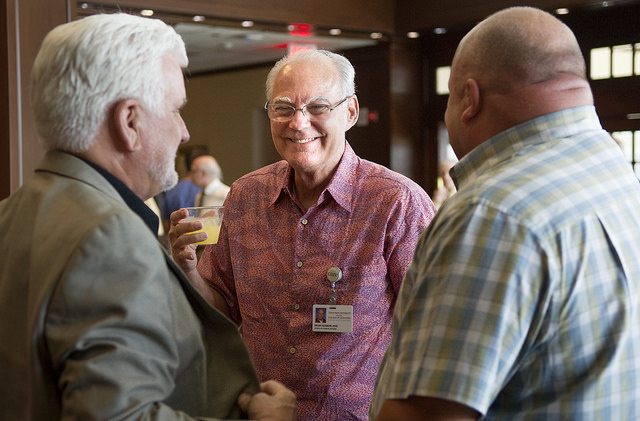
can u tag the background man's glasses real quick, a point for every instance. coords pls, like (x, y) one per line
(314, 111)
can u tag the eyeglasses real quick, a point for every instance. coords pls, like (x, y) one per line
(314, 111)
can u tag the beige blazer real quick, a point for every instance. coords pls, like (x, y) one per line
(97, 321)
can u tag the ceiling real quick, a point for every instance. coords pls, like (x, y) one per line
(214, 48)
(215, 44)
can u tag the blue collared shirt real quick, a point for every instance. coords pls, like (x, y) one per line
(130, 198)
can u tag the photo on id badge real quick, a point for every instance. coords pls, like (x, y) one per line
(332, 318)
(321, 315)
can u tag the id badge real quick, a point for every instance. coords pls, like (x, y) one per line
(332, 318)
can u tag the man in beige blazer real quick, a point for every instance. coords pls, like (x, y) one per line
(97, 321)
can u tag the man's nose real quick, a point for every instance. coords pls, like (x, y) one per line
(299, 120)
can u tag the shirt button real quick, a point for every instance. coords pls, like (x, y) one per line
(292, 350)
(299, 264)
(297, 306)
(304, 222)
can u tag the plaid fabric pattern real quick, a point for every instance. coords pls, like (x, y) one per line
(522, 299)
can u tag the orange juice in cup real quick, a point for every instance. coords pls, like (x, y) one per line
(211, 218)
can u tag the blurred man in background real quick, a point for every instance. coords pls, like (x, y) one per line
(207, 175)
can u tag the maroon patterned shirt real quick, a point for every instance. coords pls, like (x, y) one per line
(271, 266)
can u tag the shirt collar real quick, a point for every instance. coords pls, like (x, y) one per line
(211, 187)
(133, 202)
(342, 184)
(510, 142)
(340, 188)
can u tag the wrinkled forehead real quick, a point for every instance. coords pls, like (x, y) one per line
(307, 81)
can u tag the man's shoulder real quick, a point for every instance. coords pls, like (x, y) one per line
(373, 176)
(267, 175)
(183, 186)
(185, 183)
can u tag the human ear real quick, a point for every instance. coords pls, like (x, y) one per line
(472, 99)
(126, 118)
(353, 110)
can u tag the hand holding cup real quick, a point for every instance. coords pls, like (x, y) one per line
(211, 218)
(189, 228)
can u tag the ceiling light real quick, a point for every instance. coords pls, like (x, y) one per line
(562, 11)
(146, 12)
(246, 23)
(84, 6)
(440, 31)
(376, 35)
(335, 31)
(633, 116)
(198, 18)
(413, 34)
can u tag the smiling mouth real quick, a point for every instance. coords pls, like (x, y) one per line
(300, 141)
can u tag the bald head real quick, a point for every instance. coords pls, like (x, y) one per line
(204, 170)
(520, 46)
(518, 64)
(343, 69)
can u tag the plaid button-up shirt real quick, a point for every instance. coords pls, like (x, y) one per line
(523, 299)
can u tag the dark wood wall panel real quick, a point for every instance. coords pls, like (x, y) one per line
(26, 23)
(372, 141)
(415, 15)
(6, 117)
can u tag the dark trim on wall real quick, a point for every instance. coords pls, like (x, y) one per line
(5, 117)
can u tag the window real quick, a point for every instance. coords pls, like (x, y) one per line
(622, 60)
(600, 63)
(442, 80)
(613, 62)
(629, 142)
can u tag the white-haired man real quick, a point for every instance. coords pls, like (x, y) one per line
(97, 322)
(322, 226)
(207, 174)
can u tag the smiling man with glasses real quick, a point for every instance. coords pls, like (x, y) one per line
(322, 228)
(283, 112)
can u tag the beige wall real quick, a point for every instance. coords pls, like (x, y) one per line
(225, 112)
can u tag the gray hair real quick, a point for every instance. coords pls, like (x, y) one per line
(85, 66)
(344, 67)
(209, 165)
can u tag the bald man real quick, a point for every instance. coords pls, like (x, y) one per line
(206, 174)
(522, 299)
